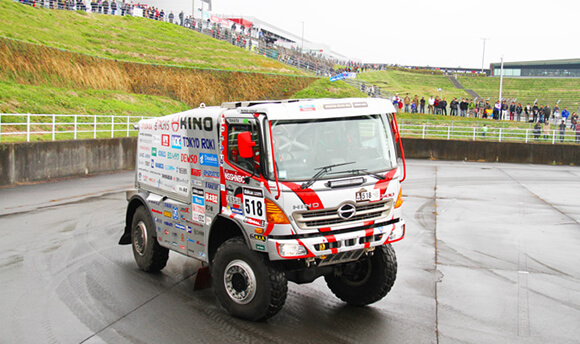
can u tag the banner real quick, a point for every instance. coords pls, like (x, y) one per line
(343, 76)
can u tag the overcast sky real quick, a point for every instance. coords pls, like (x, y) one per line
(445, 33)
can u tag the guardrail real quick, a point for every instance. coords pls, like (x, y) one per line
(478, 133)
(31, 127)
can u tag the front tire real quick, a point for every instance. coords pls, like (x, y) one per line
(149, 255)
(366, 280)
(246, 285)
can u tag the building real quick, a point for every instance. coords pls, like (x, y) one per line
(569, 68)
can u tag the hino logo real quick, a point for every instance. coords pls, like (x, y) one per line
(306, 206)
(346, 211)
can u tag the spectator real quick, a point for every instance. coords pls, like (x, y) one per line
(535, 111)
(407, 102)
(497, 110)
(512, 110)
(113, 7)
(562, 128)
(528, 112)
(471, 108)
(546, 130)
(565, 114)
(396, 99)
(436, 104)
(547, 113)
(484, 130)
(443, 106)
(105, 7)
(94, 6)
(415, 102)
(431, 105)
(573, 120)
(519, 112)
(463, 107)
(422, 105)
(123, 8)
(453, 107)
(170, 17)
(181, 16)
(504, 110)
(537, 131)
(577, 133)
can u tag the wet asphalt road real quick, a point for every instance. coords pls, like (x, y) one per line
(491, 256)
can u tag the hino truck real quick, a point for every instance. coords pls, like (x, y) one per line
(266, 192)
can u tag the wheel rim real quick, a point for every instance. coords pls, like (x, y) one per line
(358, 273)
(240, 282)
(140, 238)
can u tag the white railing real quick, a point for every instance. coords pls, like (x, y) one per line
(30, 127)
(487, 133)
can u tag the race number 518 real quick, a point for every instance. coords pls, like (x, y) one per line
(254, 204)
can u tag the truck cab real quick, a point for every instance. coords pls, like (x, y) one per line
(267, 192)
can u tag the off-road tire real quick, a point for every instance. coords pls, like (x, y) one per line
(245, 283)
(367, 280)
(149, 255)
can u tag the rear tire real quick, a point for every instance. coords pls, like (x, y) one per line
(149, 255)
(245, 283)
(366, 280)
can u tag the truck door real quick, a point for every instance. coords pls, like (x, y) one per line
(242, 169)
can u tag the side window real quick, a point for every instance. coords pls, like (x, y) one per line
(250, 164)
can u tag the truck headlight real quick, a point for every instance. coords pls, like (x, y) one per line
(291, 250)
(397, 234)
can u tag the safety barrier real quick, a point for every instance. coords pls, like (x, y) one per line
(32, 127)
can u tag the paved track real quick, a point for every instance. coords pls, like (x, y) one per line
(491, 256)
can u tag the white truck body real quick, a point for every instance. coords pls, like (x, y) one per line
(320, 186)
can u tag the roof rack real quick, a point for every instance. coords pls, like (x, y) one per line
(235, 105)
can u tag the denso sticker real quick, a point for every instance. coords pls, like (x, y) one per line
(189, 158)
(208, 159)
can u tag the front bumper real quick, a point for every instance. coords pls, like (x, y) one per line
(336, 247)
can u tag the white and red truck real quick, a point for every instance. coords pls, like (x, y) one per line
(267, 192)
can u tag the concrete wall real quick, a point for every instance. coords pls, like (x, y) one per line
(529, 153)
(40, 161)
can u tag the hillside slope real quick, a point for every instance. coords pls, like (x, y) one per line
(128, 39)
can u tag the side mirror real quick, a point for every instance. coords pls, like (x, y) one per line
(245, 145)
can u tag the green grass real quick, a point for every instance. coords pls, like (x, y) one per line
(527, 90)
(129, 39)
(415, 83)
(16, 98)
(324, 88)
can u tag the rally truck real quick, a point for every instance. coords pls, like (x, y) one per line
(266, 192)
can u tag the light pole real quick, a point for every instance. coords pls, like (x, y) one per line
(483, 57)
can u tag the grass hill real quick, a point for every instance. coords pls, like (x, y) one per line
(526, 90)
(128, 39)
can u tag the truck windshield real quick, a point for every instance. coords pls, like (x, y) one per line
(363, 145)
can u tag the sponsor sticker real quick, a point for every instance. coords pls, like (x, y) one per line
(206, 159)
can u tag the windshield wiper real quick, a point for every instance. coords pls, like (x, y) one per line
(323, 170)
(362, 171)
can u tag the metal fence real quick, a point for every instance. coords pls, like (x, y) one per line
(487, 133)
(29, 127)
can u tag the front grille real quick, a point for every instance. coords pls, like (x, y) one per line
(320, 218)
(341, 257)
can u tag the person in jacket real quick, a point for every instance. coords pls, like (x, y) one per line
(565, 114)
(443, 106)
(453, 107)
(519, 111)
(547, 113)
(562, 128)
